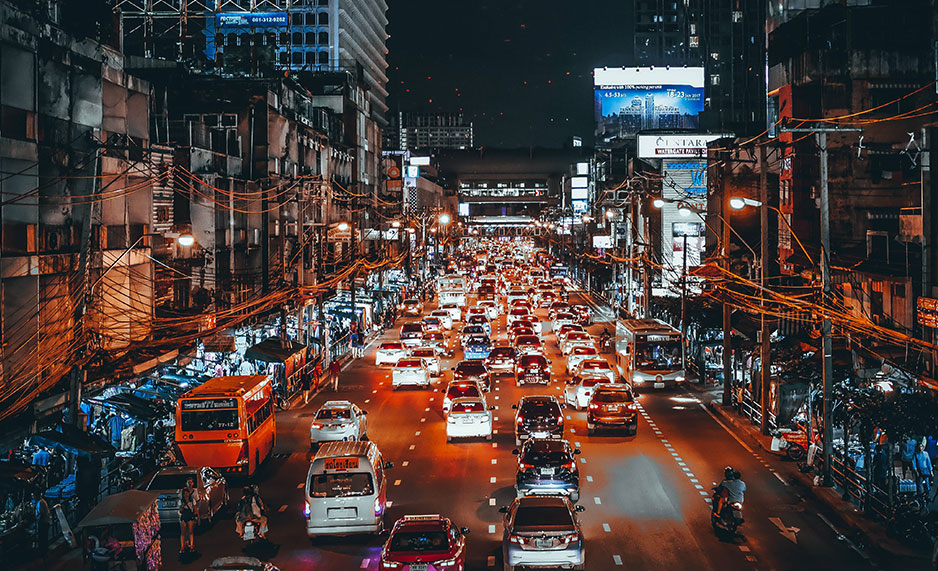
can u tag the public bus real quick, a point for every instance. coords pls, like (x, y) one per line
(227, 423)
(451, 290)
(649, 353)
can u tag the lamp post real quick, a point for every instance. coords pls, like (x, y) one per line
(443, 220)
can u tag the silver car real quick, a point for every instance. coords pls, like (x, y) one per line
(410, 372)
(211, 491)
(429, 357)
(543, 531)
(338, 420)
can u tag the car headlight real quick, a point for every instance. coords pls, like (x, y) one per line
(637, 380)
(679, 379)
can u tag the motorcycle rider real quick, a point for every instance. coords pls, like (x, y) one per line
(251, 508)
(731, 489)
(604, 338)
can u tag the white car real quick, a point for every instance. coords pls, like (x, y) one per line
(578, 355)
(429, 357)
(455, 313)
(597, 367)
(338, 420)
(575, 339)
(579, 389)
(468, 418)
(460, 389)
(491, 306)
(390, 353)
(445, 317)
(410, 372)
(518, 313)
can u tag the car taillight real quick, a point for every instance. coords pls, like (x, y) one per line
(520, 421)
(570, 538)
(527, 466)
(593, 406)
(243, 454)
(570, 466)
(630, 406)
(306, 509)
(379, 507)
(559, 419)
(517, 539)
(317, 426)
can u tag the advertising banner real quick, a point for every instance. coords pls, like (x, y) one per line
(251, 19)
(629, 100)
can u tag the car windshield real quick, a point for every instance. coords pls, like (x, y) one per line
(471, 368)
(474, 330)
(463, 390)
(529, 360)
(658, 356)
(546, 453)
(584, 351)
(477, 340)
(471, 406)
(421, 541)
(612, 396)
(408, 363)
(559, 517)
(341, 485)
(392, 346)
(334, 414)
(170, 481)
(423, 353)
(532, 409)
(431, 320)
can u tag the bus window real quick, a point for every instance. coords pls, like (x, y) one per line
(200, 420)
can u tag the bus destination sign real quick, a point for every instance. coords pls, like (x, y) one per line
(209, 404)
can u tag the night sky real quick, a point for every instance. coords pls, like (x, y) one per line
(519, 68)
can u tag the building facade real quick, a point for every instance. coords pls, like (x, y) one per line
(429, 132)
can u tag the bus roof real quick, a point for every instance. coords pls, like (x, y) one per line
(646, 325)
(227, 386)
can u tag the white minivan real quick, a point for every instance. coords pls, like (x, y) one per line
(346, 490)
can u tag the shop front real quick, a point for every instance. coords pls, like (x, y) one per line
(283, 360)
(131, 518)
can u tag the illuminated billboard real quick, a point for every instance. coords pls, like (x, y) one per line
(629, 100)
(251, 19)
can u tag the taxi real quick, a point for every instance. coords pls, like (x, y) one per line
(425, 543)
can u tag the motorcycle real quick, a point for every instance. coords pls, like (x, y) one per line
(792, 443)
(730, 518)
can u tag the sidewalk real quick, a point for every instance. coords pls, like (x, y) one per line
(871, 534)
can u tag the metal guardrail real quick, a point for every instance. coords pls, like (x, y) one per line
(856, 487)
(752, 410)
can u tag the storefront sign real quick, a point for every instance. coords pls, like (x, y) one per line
(604, 242)
(673, 146)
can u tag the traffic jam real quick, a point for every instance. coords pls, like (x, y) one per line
(499, 319)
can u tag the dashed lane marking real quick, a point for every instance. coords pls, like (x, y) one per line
(417, 433)
(491, 529)
(744, 548)
(589, 478)
(494, 461)
(491, 501)
(404, 464)
(597, 500)
(780, 479)
(412, 446)
(491, 561)
(300, 485)
(495, 445)
(617, 560)
(423, 420)
(283, 508)
(607, 528)
(397, 482)
(492, 480)
(367, 401)
(365, 563)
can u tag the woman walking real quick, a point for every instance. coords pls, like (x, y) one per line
(188, 513)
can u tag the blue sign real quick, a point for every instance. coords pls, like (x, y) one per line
(251, 19)
(623, 112)
(696, 171)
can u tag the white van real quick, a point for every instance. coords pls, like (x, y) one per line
(346, 490)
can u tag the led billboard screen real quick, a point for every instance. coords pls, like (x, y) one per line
(629, 100)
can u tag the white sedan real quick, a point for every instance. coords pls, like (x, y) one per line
(575, 339)
(429, 357)
(410, 372)
(445, 317)
(338, 420)
(390, 353)
(468, 418)
(578, 390)
(596, 367)
(578, 355)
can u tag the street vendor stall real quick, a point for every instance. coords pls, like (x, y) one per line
(133, 519)
(285, 362)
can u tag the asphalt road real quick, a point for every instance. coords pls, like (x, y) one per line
(645, 496)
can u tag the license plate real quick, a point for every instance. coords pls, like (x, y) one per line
(418, 567)
(544, 542)
(547, 471)
(659, 385)
(467, 420)
(612, 408)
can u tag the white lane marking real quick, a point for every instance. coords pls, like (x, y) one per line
(577, 444)
(694, 480)
(367, 401)
(491, 529)
(495, 419)
(431, 399)
(491, 501)
(412, 446)
(365, 563)
(726, 428)
(496, 397)
(750, 558)
(417, 433)
(779, 478)
(589, 478)
(704, 493)
(423, 420)
(597, 501)
(698, 486)
(617, 560)
(675, 454)
(573, 430)
(582, 460)
(426, 409)
(495, 445)
(492, 480)
(568, 417)
(664, 440)
(283, 508)
(681, 463)
(494, 432)
(494, 461)
(300, 485)
(404, 464)
(606, 528)
(374, 391)
(397, 482)
(389, 503)
(491, 561)
(744, 548)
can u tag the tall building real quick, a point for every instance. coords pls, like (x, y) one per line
(429, 131)
(727, 38)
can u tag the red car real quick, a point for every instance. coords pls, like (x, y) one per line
(425, 543)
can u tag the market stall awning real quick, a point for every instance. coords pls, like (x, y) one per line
(138, 407)
(119, 509)
(274, 350)
(17, 471)
(74, 439)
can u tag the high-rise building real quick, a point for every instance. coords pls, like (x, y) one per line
(429, 131)
(666, 32)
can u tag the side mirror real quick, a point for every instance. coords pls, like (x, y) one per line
(514, 407)
(516, 452)
(388, 465)
(577, 451)
(464, 530)
(579, 508)
(492, 407)
(364, 412)
(503, 510)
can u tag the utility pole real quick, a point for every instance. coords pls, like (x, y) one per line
(765, 337)
(727, 326)
(353, 256)
(646, 269)
(820, 134)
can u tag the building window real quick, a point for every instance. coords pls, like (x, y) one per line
(323, 19)
(297, 19)
(898, 290)
(323, 58)
(323, 2)
(737, 16)
(310, 19)
(311, 38)
(310, 57)
(298, 38)
(297, 58)
(694, 41)
(284, 57)
(284, 38)
(324, 38)
(715, 79)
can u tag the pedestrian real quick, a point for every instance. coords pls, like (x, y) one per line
(335, 369)
(907, 453)
(353, 341)
(922, 468)
(188, 512)
(879, 467)
(43, 520)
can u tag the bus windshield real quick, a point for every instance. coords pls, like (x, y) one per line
(198, 420)
(659, 355)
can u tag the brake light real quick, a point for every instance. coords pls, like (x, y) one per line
(570, 466)
(527, 466)
(593, 406)
(517, 539)
(317, 426)
(243, 454)
(379, 507)
(630, 406)
(559, 419)
(570, 538)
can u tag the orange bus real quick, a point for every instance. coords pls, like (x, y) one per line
(227, 423)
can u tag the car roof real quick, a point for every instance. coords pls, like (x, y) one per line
(537, 399)
(541, 501)
(336, 404)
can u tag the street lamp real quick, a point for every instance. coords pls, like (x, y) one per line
(658, 203)
(395, 224)
(444, 219)
(343, 226)
(185, 240)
